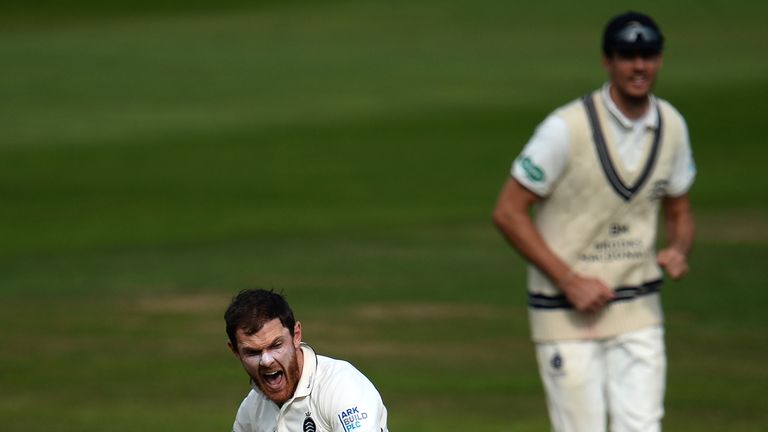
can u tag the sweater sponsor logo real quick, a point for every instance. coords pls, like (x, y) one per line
(352, 418)
(615, 249)
(615, 229)
(532, 171)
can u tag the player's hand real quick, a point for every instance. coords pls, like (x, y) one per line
(586, 294)
(673, 261)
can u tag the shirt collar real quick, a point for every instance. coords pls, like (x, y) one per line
(308, 370)
(650, 119)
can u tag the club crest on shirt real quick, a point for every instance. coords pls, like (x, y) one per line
(352, 418)
(309, 425)
(557, 361)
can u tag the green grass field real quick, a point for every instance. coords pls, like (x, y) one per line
(155, 158)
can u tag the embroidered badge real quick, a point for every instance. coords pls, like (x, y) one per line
(532, 171)
(557, 361)
(309, 425)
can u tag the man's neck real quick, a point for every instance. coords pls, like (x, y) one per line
(632, 108)
(300, 360)
(300, 365)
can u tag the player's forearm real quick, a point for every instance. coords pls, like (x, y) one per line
(520, 232)
(680, 230)
(680, 225)
(681, 234)
(511, 216)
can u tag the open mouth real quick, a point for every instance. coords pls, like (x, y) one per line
(273, 379)
(639, 80)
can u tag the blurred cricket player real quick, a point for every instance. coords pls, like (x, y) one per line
(596, 172)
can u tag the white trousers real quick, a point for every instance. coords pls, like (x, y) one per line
(618, 381)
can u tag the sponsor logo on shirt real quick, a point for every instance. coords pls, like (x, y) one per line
(532, 171)
(614, 249)
(352, 418)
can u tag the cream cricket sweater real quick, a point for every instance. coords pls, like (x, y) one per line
(601, 219)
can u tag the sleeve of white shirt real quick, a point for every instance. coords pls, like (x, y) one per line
(351, 403)
(544, 157)
(684, 168)
(242, 420)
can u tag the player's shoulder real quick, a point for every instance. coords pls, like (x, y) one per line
(254, 400)
(557, 119)
(254, 406)
(342, 395)
(335, 369)
(669, 110)
(335, 375)
(571, 110)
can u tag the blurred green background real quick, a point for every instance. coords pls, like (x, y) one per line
(158, 156)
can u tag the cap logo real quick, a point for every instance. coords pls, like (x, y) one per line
(635, 32)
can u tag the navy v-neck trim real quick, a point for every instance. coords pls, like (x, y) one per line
(621, 188)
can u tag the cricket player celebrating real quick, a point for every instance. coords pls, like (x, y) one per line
(596, 172)
(294, 389)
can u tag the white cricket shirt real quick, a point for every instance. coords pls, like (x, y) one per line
(332, 396)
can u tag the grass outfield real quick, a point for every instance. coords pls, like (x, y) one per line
(155, 159)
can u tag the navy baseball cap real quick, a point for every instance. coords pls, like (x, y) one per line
(632, 32)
